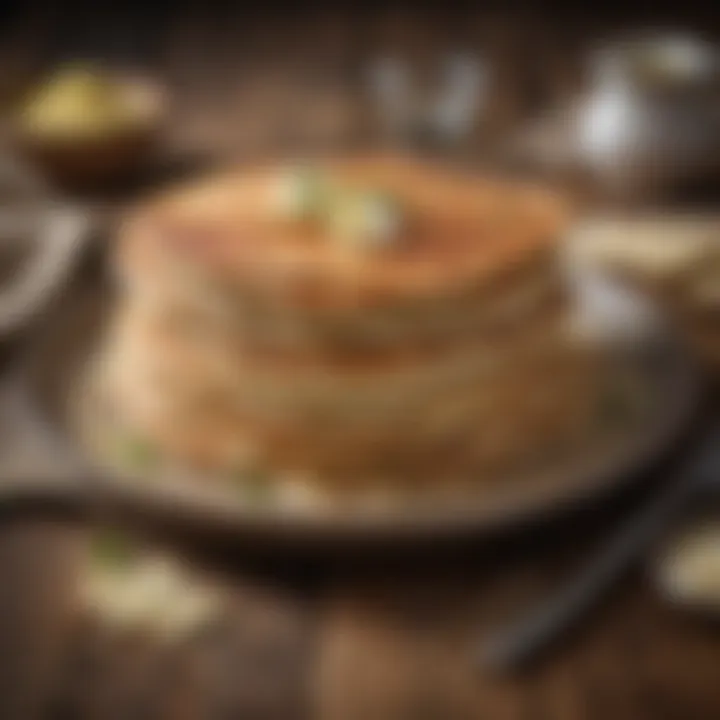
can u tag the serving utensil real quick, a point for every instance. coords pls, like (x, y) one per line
(524, 640)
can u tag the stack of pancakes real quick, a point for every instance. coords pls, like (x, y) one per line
(246, 340)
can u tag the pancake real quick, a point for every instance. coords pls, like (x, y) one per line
(460, 232)
(283, 328)
(468, 252)
(245, 339)
(472, 430)
(198, 402)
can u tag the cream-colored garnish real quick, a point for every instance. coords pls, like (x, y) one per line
(365, 220)
(691, 571)
(357, 218)
(301, 193)
(149, 592)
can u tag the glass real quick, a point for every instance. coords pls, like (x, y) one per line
(438, 111)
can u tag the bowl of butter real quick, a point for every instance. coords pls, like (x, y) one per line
(84, 125)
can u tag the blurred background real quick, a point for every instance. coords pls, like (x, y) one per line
(249, 79)
(542, 90)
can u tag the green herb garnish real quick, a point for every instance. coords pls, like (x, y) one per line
(365, 219)
(255, 485)
(358, 217)
(136, 454)
(112, 549)
(303, 194)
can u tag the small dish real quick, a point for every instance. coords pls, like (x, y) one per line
(644, 129)
(650, 118)
(687, 570)
(81, 156)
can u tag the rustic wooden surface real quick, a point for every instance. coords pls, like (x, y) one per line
(372, 640)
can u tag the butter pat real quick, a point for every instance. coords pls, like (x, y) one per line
(301, 194)
(78, 102)
(366, 220)
(351, 217)
(690, 571)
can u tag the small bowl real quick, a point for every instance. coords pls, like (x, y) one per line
(81, 162)
(649, 122)
(686, 570)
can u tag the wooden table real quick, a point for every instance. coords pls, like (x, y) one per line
(375, 639)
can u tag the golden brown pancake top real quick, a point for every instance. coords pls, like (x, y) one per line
(458, 230)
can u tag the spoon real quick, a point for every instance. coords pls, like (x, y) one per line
(525, 639)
